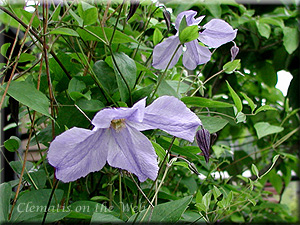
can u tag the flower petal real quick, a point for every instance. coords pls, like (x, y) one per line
(217, 32)
(163, 52)
(104, 117)
(195, 55)
(78, 152)
(190, 20)
(130, 150)
(172, 116)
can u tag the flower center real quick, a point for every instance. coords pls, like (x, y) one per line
(118, 124)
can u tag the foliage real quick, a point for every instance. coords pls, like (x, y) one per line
(77, 58)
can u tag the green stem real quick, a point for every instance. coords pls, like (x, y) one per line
(49, 201)
(120, 196)
(115, 27)
(164, 73)
(68, 194)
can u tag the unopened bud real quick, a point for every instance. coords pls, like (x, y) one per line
(167, 17)
(134, 4)
(234, 51)
(203, 141)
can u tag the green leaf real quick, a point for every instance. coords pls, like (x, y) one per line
(237, 218)
(236, 99)
(267, 73)
(38, 178)
(64, 31)
(88, 13)
(142, 93)
(205, 102)
(216, 192)
(12, 144)
(55, 14)
(182, 24)
(125, 66)
(160, 151)
(105, 218)
(166, 89)
(4, 48)
(188, 34)
(290, 39)
(231, 66)
(77, 18)
(157, 36)
(91, 105)
(106, 76)
(264, 108)
(206, 200)
(5, 194)
(213, 124)
(25, 57)
(27, 17)
(264, 128)
(76, 85)
(275, 180)
(240, 117)
(255, 170)
(169, 212)
(31, 206)
(99, 198)
(263, 29)
(119, 37)
(17, 166)
(250, 102)
(28, 95)
(273, 21)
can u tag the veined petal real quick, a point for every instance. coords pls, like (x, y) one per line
(78, 152)
(130, 150)
(104, 117)
(217, 32)
(163, 52)
(195, 55)
(172, 116)
(190, 20)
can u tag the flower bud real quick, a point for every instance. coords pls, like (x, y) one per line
(167, 17)
(203, 141)
(234, 51)
(134, 4)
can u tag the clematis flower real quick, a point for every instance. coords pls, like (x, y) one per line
(216, 33)
(117, 140)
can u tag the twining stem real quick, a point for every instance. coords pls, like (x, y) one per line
(120, 196)
(117, 21)
(164, 73)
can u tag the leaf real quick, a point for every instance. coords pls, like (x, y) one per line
(236, 99)
(77, 18)
(17, 166)
(142, 93)
(273, 21)
(5, 194)
(166, 89)
(263, 29)
(169, 212)
(55, 14)
(119, 37)
(64, 31)
(106, 76)
(255, 170)
(31, 205)
(76, 85)
(264, 108)
(213, 124)
(250, 102)
(160, 151)
(39, 178)
(240, 117)
(267, 73)
(290, 39)
(157, 36)
(25, 57)
(231, 66)
(28, 95)
(206, 200)
(105, 218)
(188, 34)
(4, 48)
(91, 105)
(125, 69)
(264, 128)
(205, 102)
(88, 13)
(12, 144)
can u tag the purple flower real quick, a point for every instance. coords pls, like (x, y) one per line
(117, 140)
(216, 33)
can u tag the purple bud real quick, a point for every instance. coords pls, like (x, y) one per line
(134, 4)
(167, 17)
(203, 141)
(234, 51)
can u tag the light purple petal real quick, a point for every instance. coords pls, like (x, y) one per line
(130, 150)
(190, 20)
(217, 32)
(195, 55)
(78, 152)
(163, 52)
(172, 116)
(104, 117)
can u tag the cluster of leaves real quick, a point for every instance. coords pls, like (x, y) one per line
(83, 57)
